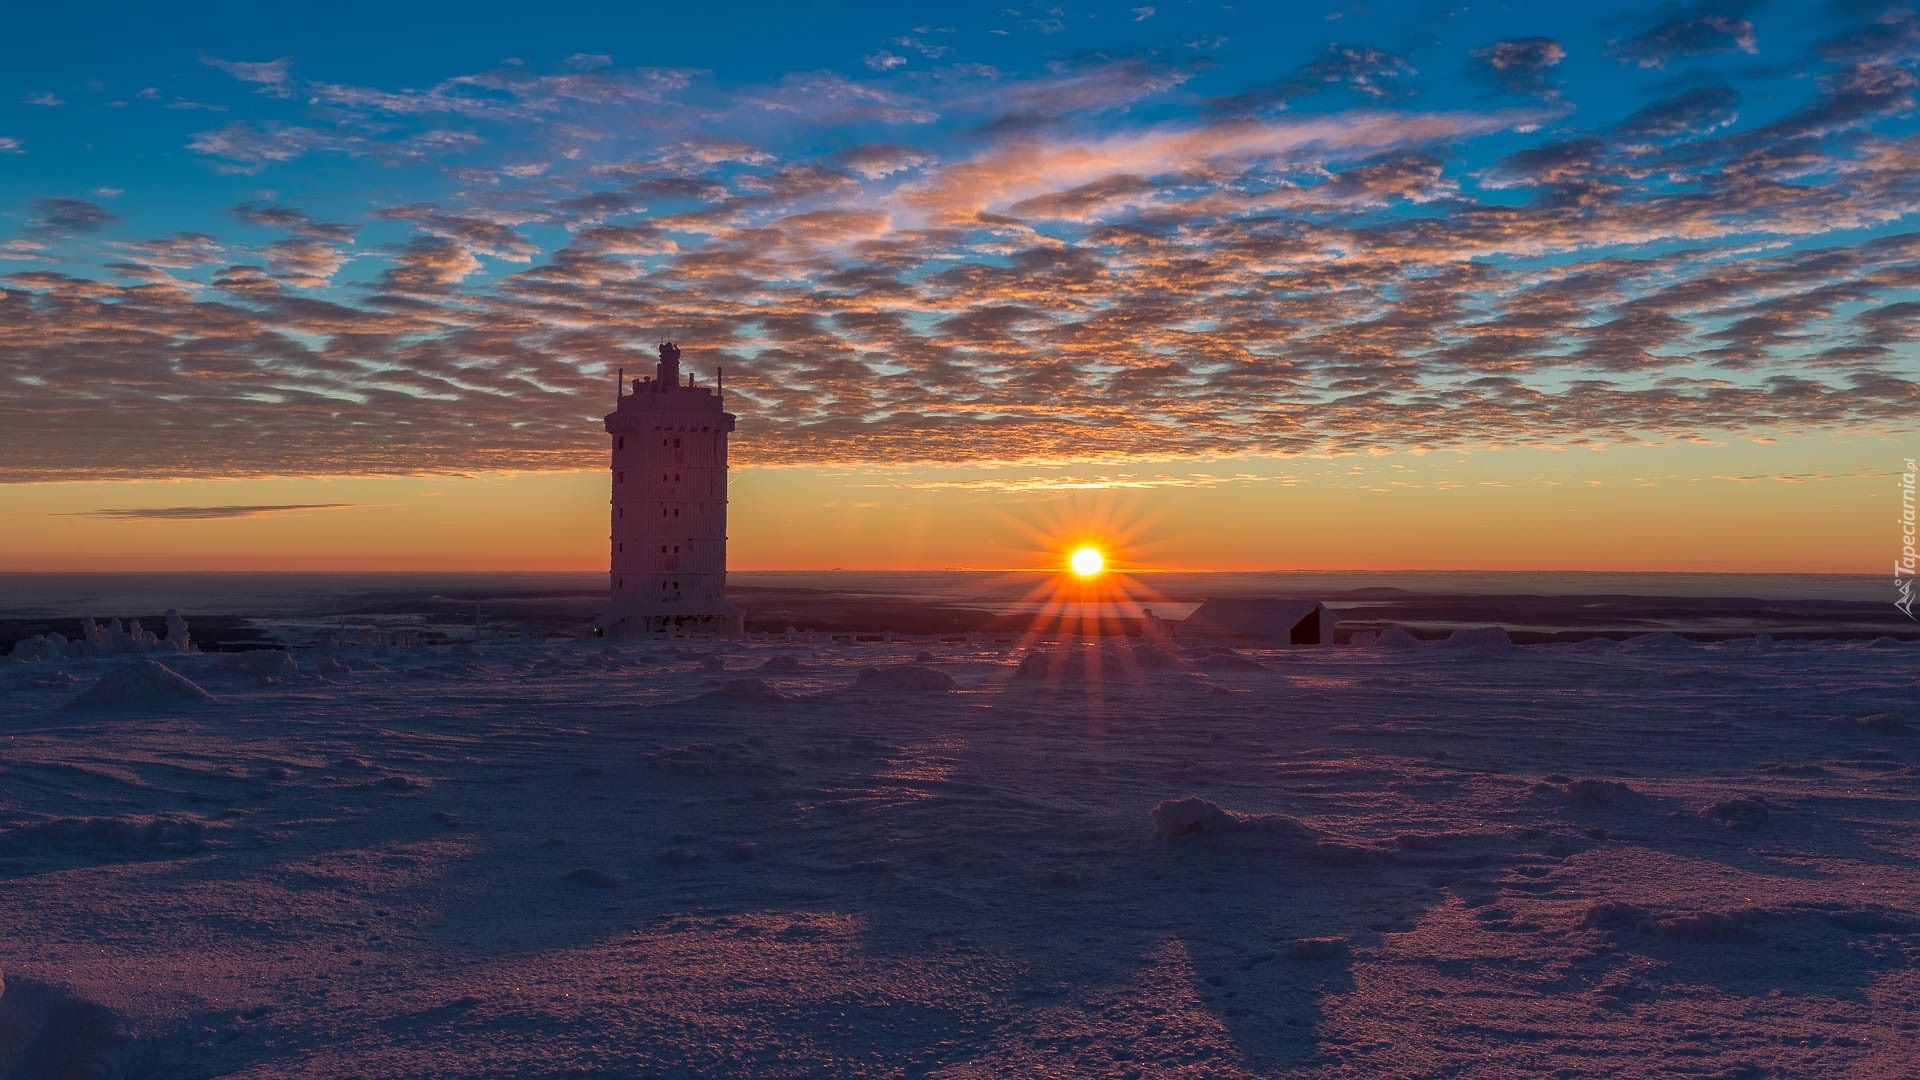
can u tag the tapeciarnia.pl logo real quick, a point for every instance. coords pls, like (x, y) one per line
(1903, 570)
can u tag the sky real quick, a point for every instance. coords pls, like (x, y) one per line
(1229, 286)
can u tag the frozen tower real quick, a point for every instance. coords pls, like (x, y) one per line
(669, 508)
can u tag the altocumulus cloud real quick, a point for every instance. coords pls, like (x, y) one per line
(942, 261)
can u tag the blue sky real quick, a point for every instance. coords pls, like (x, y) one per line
(409, 239)
(117, 96)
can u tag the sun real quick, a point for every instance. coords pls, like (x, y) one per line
(1087, 562)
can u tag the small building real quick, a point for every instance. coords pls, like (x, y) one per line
(1273, 620)
(669, 508)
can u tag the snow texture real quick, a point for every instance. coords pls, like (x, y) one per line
(1103, 860)
(1225, 660)
(1094, 662)
(263, 664)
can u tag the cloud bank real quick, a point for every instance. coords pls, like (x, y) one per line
(211, 513)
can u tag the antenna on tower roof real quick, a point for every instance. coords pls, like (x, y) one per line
(619, 385)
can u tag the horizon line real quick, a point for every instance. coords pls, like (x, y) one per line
(938, 570)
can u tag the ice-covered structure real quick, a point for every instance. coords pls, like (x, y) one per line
(1274, 619)
(669, 508)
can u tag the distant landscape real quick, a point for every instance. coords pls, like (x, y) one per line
(259, 611)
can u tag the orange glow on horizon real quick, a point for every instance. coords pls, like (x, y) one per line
(1675, 509)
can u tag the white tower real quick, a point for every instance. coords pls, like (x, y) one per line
(669, 541)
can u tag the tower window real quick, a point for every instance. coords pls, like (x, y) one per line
(620, 443)
(676, 444)
(619, 478)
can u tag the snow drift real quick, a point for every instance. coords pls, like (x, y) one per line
(142, 682)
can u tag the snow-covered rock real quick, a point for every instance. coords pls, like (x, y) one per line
(1480, 638)
(1397, 640)
(1660, 641)
(1191, 814)
(909, 678)
(745, 689)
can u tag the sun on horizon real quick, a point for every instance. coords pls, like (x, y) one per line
(1087, 562)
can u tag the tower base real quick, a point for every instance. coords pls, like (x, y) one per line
(611, 623)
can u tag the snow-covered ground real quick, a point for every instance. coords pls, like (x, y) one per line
(1658, 858)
